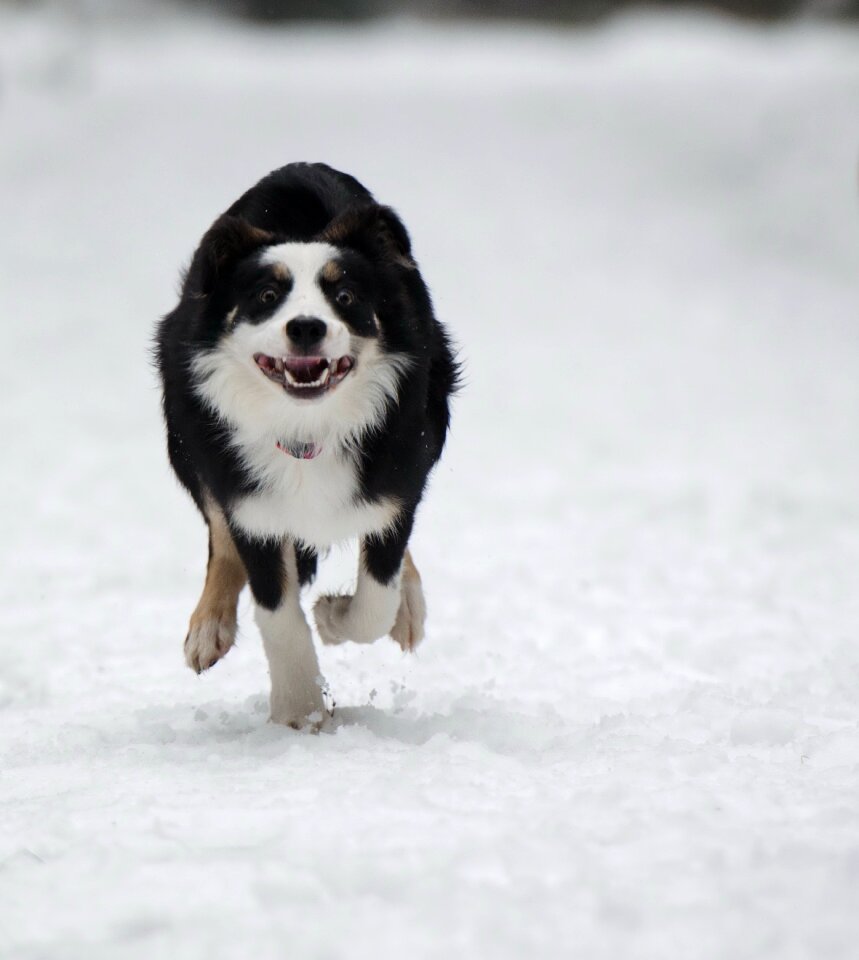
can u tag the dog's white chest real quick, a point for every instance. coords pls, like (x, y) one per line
(311, 500)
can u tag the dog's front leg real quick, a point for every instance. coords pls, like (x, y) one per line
(212, 630)
(388, 597)
(296, 685)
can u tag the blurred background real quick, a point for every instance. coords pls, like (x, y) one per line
(569, 11)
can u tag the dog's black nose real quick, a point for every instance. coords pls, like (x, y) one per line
(306, 332)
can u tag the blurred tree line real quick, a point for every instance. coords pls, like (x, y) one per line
(558, 10)
(561, 10)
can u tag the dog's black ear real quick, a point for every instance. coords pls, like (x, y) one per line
(375, 231)
(224, 243)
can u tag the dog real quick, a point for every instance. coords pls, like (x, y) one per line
(306, 394)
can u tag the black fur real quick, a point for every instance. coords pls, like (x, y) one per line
(304, 202)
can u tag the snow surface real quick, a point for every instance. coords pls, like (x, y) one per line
(633, 728)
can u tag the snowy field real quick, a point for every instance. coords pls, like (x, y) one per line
(633, 728)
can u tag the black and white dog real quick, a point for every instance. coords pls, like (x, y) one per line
(306, 388)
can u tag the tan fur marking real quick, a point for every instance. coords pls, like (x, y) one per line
(257, 234)
(410, 571)
(212, 629)
(408, 629)
(337, 231)
(352, 221)
(281, 271)
(332, 271)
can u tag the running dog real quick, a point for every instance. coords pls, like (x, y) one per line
(306, 388)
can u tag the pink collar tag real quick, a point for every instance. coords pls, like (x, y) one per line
(301, 451)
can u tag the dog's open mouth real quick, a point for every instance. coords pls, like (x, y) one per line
(305, 377)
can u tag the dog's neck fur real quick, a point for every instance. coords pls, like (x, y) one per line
(227, 381)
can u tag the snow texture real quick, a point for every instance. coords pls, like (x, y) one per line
(631, 730)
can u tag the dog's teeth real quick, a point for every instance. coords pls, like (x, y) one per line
(291, 379)
(278, 364)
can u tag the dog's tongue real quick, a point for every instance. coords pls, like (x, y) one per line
(306, 369)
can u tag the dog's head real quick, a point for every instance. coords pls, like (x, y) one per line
(306, 334)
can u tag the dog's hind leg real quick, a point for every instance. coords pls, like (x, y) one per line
(408, 628)
(212, 630)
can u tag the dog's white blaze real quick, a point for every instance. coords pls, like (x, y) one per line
(313, 500)
(306, 299)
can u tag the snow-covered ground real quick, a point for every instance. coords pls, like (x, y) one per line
(633, 729)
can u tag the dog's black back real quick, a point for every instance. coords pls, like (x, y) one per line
(300, 200)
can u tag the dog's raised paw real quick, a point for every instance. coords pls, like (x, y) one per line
(207, 642)
(330, 611)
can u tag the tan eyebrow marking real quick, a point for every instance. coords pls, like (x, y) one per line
(281, 272)
(332, 271)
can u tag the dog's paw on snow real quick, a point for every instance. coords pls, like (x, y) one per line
(207, 641)
(311, 723)
(300, 706)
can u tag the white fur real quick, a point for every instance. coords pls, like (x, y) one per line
(296, 686)
(313, 500)
(362, 618)
(306, 299)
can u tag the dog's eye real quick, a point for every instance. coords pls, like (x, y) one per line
(345, 297)
(267, 295)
